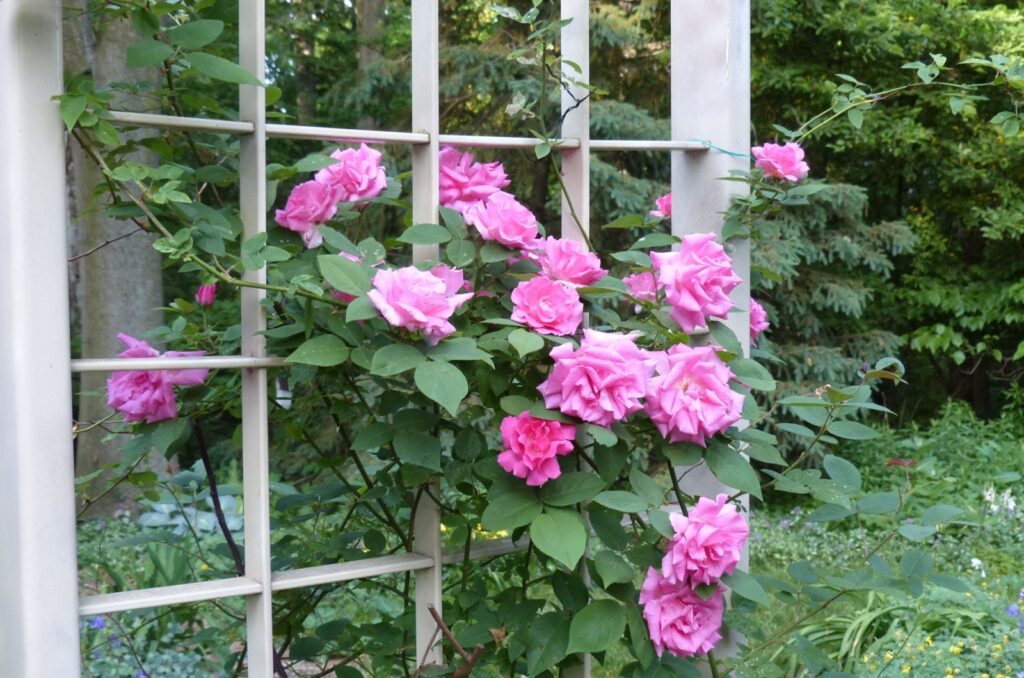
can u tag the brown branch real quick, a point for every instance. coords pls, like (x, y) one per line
(470, 659)
(104, 244)
(236, 555)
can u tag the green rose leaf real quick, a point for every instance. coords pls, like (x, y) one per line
(425, 234)
(829, 512)
(743, 584)
(146, 53)
(645, 487)
(492, 252)
(597, 627)
(879, 502)
(940, 513)
(460, 252)
(511, 510)
(601, 435)
(753, 374)
(415, 447)
(571, 488)
(732, 469)
(395, 359)
(515, 404)
(548, 642)
(195, 34)
(374, 435)
(459, 348)
(525, 342)
(221, 69)
(443, 383)
(71, 108)
(654, 240)
(843, 472)
(852, 430)
(619, 500)
(560, 534)
(326, 350)
(613, 569)
(360, 308)
(916, 532)
(345, 275)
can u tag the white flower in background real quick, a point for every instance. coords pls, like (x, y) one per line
(979, 566)
(1009, 503)
(990, 496)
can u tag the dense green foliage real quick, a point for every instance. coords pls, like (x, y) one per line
(925, 159)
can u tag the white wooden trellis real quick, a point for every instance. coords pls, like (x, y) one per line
(39, 601)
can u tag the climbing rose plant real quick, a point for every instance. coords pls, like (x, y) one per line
(477, 372)
(535, 390)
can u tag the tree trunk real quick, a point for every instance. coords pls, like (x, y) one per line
(368, 23)
(118, 288)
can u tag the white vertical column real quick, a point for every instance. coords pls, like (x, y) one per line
(575, 38)
(425, 198)
(710, 86)
(38, 570)
(255, 446)
(576, 161)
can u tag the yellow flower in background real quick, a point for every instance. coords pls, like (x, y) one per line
(997, 647)
(956, 649)
(905, 668)
(928, 641)
(889, 656)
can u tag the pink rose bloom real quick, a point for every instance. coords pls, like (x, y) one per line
(758, 320)
(678, 619)
(697, 280)
(454, 279)
(357, 175)
(664, 206)
(569, 260)
(503, 219)
(309, 205)
(464, 182)
(547, 306)
(205, 294)
(416, 300)
(689, 398)
(532, 446)
(707, 544)
(643, 287)
(781, 162)
(148, 395)
(601, 382)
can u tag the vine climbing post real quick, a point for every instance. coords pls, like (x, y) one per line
(38, 576)
(710, 86)
(425, 198)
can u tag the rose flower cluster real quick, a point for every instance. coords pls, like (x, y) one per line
(708, 544)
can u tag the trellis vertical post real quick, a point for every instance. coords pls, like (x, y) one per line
(255, 444)
(711, 101)
(575, 38)
(710, 86)
(425, 196)
(38, 572)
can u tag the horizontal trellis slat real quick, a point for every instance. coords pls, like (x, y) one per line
(356, 569)
(344, 134)
(210, 362)
(195, 592)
